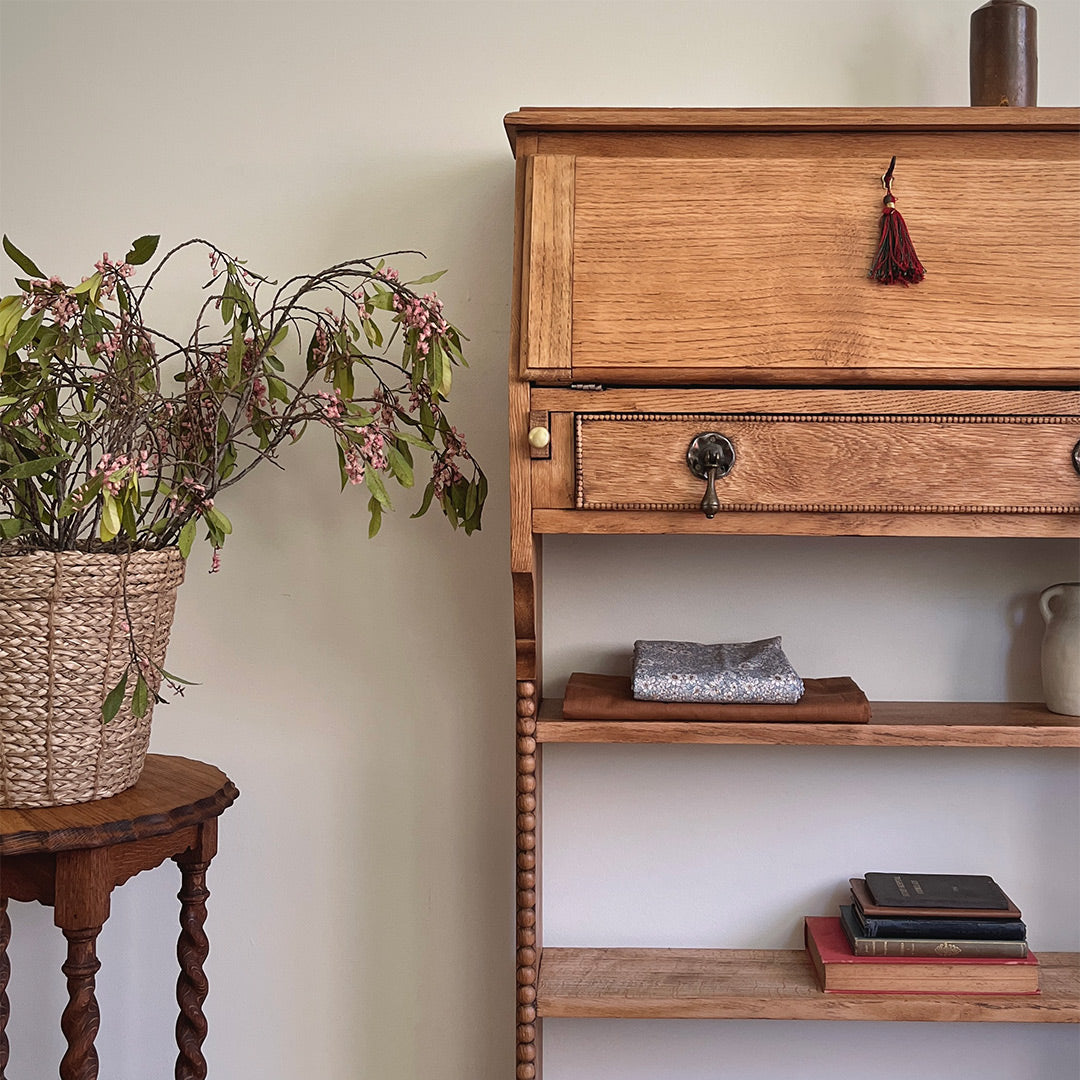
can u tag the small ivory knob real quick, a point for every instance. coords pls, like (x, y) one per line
(539, 437)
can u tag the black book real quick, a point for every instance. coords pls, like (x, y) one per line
(962, 891)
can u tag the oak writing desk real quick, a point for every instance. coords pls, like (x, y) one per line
(696, 348)
(72, 857)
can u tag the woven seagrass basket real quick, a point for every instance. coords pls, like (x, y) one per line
(63, 645)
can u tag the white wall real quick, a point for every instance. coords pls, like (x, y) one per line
(360, 694)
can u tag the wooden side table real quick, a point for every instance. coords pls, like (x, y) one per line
(72, 857)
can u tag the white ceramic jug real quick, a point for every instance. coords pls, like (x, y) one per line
(1061, 647)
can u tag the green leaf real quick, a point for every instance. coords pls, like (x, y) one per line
(90, 285)
(114, 699)
(186, 538)
(218, 520)
(399, 467)
(277, 390)
(10, 528)
(341, 466)
(427, 280)
(176, 678)
(81, 496)
(372, 332)
(384, 300)
(280, 336)
(142, 250)
(131, 526)
(343, 380)
(377, 488)
(26, 469)
(25, 264)
(11, 310)
(429, 491)
(140, 697)
(26, 330)
(236, 357)
(443, 367)
(375, 508)
(110, 518)
(228, 462)
(414, 440)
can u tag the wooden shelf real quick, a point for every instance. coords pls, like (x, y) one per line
(804, 523)
(894, 723)
(769, 984)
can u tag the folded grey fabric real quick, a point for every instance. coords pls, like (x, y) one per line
(749, 672)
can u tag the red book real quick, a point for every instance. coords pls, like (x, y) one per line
(841, 971)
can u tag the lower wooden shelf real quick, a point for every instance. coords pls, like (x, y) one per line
(768, 984)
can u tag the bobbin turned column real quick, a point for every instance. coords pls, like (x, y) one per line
(528, 941)
(5, 974)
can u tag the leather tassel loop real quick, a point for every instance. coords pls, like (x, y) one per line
(895, 260)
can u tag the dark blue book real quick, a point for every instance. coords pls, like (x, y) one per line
(938, 927)
(864, 945)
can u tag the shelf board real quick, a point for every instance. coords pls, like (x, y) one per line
(769, 984)
(804, 523)
(894, 723)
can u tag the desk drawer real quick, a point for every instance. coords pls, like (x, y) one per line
(832, 463)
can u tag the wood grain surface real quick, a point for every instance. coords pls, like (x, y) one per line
(769, 984)
(792, 462)
(805, 523)
(695, 270)
(531, 121)
(172, 792)
(893, 723)
(547, 266)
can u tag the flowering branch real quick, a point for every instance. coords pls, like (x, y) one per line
(94, 453)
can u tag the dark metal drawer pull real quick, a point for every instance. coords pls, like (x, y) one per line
(710, 455)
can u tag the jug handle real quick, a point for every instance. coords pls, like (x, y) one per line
(1044, 600)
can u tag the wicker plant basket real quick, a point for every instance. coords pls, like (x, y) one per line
(63, 646)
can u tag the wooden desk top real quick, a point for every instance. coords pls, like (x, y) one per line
(172, 793)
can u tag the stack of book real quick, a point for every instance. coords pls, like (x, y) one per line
(924, 934)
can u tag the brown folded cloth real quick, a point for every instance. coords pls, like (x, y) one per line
(608, 697)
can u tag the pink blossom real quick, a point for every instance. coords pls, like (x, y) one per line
(354, 466)
(332, 408)
(387, 405)
(373, 447)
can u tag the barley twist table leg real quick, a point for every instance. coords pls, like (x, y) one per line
(80, 1019)
(192, 948)
(5, 974)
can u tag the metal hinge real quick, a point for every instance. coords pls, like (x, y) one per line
(585, 386)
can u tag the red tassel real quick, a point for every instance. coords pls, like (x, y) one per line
(895, 260)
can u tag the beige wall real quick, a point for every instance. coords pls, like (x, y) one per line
(360, 694)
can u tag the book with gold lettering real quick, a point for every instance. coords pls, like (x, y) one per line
(840, 970)
(864, 945)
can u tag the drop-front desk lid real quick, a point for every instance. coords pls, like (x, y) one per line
(734, 246)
